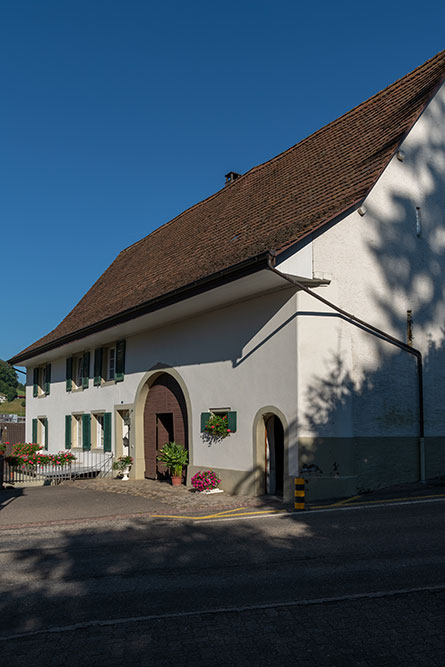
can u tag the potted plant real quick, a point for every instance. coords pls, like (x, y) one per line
(217, 426)
(123, 464)
(206, 481)
(175, 457)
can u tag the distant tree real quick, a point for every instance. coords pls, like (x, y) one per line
(11, 393)
(8, 380)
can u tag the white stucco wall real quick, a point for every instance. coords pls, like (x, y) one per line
(242, 356)
(379, 269)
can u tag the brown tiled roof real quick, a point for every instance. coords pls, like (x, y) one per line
(269, 207)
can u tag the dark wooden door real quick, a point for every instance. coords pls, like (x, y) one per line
(164, 433)
(165, 419)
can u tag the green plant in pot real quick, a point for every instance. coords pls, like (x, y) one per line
(175, 457)
(123, 464)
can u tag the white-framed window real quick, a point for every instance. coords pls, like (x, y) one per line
(110, 363)
(78, 371)
(41, 380)
(43, 439)
(76, 437)
(40, 431)
(98, 430)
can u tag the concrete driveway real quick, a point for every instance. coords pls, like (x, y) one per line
(94, 499)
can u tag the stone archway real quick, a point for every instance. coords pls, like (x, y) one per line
(271, 453)
(273, 456)
(165, 419)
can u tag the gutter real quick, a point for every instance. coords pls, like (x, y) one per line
(217, 279)
(379, 333)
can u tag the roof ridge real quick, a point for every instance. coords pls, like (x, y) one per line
(350, 112)
(279, 156)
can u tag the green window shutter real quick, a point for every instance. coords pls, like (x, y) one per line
(34, 431)
(45, 421)
(47, 378)
(86, 370)
(98, 356)
(205, 416)
(231, 421)
(35, 389)
(86, 432)
(69, 373)
(107, 432)
(120, 361)
(67, 431)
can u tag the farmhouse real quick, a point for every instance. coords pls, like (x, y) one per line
(304, 301)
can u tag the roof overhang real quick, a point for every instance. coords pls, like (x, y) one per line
(241, 282)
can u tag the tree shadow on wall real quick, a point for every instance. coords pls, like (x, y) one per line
(375, 395)
(368, 427)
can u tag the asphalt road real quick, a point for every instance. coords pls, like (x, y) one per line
(90, 572)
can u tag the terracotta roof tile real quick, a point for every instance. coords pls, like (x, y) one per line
(269, 207)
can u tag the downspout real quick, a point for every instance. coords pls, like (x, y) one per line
(381, 334)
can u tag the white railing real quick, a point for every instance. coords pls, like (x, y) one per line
(87, 465)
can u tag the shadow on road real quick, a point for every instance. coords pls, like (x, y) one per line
(8, 495)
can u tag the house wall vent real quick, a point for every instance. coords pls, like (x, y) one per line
(231, 176)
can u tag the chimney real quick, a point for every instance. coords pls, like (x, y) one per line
(231, 176)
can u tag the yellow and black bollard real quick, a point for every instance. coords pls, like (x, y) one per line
(299, 493)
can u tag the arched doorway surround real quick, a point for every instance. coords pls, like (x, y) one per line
(273, 456)
(165, 420)
(152, 379)
(271, 453)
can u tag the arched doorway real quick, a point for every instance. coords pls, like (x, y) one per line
(165, 420)
(273, 456)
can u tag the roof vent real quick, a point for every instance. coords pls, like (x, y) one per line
(231, 176)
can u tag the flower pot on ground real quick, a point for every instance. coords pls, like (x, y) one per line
(205, 481)
(175, 457)
(123, 464)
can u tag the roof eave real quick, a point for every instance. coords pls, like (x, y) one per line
(229, 274)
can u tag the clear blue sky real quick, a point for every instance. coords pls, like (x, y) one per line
(117, 115)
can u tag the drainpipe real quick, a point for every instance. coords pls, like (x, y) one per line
(381, 334)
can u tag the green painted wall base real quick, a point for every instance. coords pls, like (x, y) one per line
(234, 482)
(342, 467)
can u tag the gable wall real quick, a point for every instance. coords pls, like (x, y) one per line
(358, 388)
